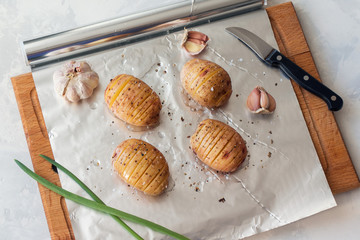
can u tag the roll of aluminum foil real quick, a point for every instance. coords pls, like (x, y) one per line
(130, 29)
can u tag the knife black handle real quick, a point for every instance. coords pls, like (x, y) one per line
(305, 80)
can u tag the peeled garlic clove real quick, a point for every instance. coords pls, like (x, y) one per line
(75, 81)
(194, 42)
(260, 101)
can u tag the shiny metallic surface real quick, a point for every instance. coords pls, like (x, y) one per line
(259, 46)
(129, 29)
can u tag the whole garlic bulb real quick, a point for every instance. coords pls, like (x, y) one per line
(260, 101)
(75, 81)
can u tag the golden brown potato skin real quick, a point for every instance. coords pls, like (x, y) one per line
(142, 166)
(133, 101)
(218, 145)
(206, 82)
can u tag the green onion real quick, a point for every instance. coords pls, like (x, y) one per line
(99, 206)
(91, 193)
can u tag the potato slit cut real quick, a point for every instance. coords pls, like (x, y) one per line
(208, 133)
(207, 79)
(143, 112)
(162, 171)
(222, 97)
(133, 100)
(140, 104)
(137, 117)
(118, 157)
(123, 99)
(146, 112)
(127, 164)
(233, 160)
(138, 163)
(198, 131)
(217, 138)
(214, 159)
(161, 183)
(215, 163)
(216, 134)
(157, 174)
(195, 78)
(115, 81)
(118, 91)
(153, 178)
(148, 165)
(129, 155)
(194, 65)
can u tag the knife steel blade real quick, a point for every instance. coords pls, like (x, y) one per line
(274, 58)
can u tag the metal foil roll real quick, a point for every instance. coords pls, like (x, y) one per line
(121, 31)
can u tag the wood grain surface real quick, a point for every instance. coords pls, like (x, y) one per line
(321, 123)
(323, 129)
(37, 138)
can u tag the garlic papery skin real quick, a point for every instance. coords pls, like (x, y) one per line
(260, 101)
(194, 42)
(75, 81)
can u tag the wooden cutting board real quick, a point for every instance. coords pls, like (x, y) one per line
(321, 123)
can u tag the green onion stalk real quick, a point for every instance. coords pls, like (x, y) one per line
(97, 204)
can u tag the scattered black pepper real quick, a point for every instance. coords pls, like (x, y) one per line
(269, 155)
(237, 95)
(275, 84)
(270, 132)
(271, 141)
(222, 200)
(188, 136)
(197, 189)
(182, 119)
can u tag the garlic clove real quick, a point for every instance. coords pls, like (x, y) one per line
(264, 99)
(272, 103)
(253, 101)
(194, 42)
(260, 101)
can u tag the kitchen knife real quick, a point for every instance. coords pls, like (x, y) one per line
(274, 58)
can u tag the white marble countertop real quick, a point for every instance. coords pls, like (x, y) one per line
(332, 29)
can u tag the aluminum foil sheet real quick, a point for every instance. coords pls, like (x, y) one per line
(136, 27)
(281, 180)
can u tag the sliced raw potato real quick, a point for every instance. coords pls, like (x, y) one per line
(133, 101)
(206, 82)
(218, 145)
(142, 166)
